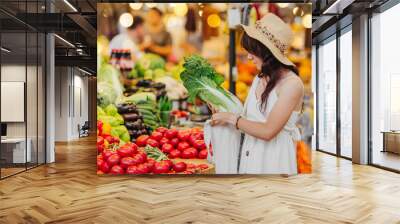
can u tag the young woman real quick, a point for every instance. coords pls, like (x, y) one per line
(273, 104)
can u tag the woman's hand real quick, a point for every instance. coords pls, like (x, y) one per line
(213, 109)
(223, 118)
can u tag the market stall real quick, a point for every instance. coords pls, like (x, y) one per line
(158, 67)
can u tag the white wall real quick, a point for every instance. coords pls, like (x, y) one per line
(71, 94)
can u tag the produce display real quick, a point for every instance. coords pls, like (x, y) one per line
(145, 156)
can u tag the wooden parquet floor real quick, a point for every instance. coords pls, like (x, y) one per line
(69, 191)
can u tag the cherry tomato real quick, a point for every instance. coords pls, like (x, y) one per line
(183, 145)
(199, 144)
(99, 163)
(187, 172)
(189, 153)
(202, 166)
(142, 140)
(203, 154)
(100, 148)
(168, 162)
(143, 169)
(152, 142)
(100, 140)
(193, 137)
(117, 169)
(167, 148)
(108, 153)
(190, 166)
(162, 129)
(127, 150)
(174, 142)
(113, 160)
(163, 141)
(127, 161)
(105, 167)
(156, 136)
(160, 168)
(132, 170)
(174, 154)
(171, 133)
(99, 172)
(183, 135)
(179, 167)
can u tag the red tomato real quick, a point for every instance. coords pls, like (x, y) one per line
(160, 167)
(100, 140)
(117, 169)
(152, 142)
(143, 169)
(142, 140)
(105, 167)
(168, 162)
(137, 159)
(99, 163)
(179, 167)
(170, 134)
(167, 148)
(203, 154)
(112, 140)
(193, 137)
(113, 160)
(188, 172)
(150, 166)
(127, 161)
(190, 166)
(164, 140)
(143, 155)
(199, 144)
(183, 145)
(183, 135)
(132, 170)
(100, 148)
(174, 142)
(126, 150)
(162, 129)
(156, 136)
(100, 156)
(108, 153)
(99, 172)
(202, 166)
(174, 154)
(189, 153)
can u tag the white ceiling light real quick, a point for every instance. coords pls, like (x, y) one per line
(307, 21)
(126, 19)
(283, 5)
(135, 6)
(151, 5)
(70, 5)
(65, 41)
(337, 7)
(5, 50)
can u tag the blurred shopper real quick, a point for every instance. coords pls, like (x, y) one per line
(157, 40)
(193, 39)
(131, 38)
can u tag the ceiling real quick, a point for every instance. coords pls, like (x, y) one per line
(72, 20)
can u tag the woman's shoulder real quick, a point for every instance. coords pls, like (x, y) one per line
(292, 82)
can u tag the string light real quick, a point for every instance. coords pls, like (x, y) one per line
(126, 19)
(135, 6)
(213, 20)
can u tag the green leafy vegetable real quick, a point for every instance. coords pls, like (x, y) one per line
(149, 62)
(111, 110)
(155, 153)
(105, 94)
(201, 80)
(164, 104)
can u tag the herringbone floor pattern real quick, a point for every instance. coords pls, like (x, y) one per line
(70, 192)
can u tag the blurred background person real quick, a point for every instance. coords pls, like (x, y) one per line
(193, 41)
(158, 40)
(131, 39)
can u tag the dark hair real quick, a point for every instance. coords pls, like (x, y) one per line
(270, 68)
(157, 10)
(137, 21)
(190, 25)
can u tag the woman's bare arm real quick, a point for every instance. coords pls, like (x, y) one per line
(291, 93)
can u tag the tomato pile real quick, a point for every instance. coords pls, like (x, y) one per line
(185, 144)
(131, 158)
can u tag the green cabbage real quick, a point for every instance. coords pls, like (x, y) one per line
(149, 62)
(105, 94)
(109, 86)
(201, 80)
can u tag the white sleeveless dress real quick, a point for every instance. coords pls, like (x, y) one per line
(276, 156)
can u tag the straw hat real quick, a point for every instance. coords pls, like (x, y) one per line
(275, 34)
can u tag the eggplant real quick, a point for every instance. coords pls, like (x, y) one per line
(144, 83)
(130, 117)
(126, 108)
(158, 85)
